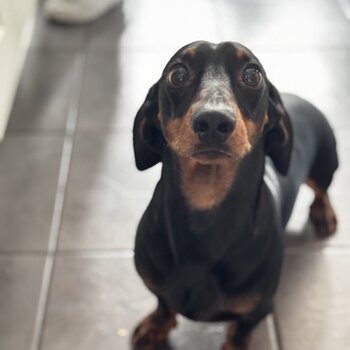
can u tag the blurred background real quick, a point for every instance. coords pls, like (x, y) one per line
(71, 197)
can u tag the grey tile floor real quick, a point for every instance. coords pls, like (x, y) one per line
(70, 196)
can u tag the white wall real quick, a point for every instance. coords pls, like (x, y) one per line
(16, 23)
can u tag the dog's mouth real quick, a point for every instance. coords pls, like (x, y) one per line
(211, 153)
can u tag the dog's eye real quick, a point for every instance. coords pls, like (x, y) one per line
(178, 76)
(252, 77)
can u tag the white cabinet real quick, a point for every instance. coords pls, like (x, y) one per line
(16, 23)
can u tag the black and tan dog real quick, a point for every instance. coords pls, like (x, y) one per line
(234, 153)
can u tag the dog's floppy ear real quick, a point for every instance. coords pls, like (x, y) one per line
(147, 136)
(279, 135)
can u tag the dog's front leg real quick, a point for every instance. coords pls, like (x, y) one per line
(153, 331)
(239, 334)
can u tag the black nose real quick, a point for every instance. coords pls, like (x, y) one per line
(213, 127)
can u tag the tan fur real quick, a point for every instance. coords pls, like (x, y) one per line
(191, 52)
(312, 184)
(206, 184)
(230, 334)
(232, 329)
(254, 130)
(240, 53)
(154, 333)
(322, 213)
(244, 304)
(180, 135)
(239, 141)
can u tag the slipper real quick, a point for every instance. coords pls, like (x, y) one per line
(77, 11)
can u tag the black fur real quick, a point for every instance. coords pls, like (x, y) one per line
(196, 261)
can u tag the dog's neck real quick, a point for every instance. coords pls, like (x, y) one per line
(229, 188)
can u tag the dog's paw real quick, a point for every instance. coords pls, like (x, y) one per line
(229, 346)
(323, 217)
(151, 336)
(230, 343)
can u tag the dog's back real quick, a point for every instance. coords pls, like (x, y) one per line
(314, 160)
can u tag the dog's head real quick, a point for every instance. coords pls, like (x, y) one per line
(213, 104)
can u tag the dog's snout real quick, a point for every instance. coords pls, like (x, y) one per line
(213, 127)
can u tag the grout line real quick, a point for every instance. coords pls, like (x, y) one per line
(103, 254)
(43, 297)
(35, 132)
(71, 253)
(59, 200)
(277, 329)
(325, 250)
(124, 252)
(272, 330)
(127, 253)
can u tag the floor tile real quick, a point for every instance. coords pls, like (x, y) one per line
(141, 25)
(207, 336)
(28, 180)
(104, 34)
(320, 76)
(54, 37)
(44, 91)
(157, 23)
(96, 303)
(115, 86)
(300, 232)
(20, 281)
(92, 306)
(272, 23)
(106, 195)
(313, 301)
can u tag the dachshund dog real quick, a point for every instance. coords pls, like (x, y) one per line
(234, 154)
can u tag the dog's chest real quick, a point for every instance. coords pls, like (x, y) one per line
(196, 292)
